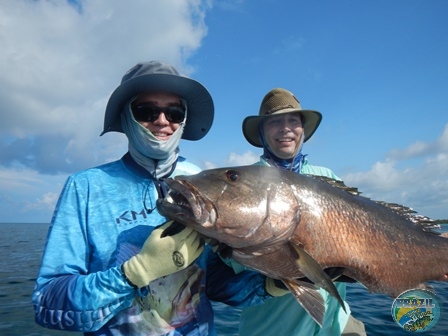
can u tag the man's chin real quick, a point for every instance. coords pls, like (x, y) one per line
(284, 154)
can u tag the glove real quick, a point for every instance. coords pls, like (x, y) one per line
(275, 287)
(163, 254)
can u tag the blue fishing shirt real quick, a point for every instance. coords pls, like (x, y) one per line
(102, 219)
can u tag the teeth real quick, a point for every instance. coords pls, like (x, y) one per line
(169, 199)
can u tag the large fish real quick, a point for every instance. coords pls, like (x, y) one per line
(290, 226)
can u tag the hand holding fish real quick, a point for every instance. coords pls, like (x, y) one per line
(170, 248)
(273, 289)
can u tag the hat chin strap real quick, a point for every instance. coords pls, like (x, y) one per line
(299, 146)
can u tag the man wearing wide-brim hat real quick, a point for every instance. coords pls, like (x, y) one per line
(109, 265)
(278, 102)
(281, 128)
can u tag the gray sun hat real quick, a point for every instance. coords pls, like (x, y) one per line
(279, 101)
(159, 76)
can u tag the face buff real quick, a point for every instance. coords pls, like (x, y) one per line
(155, 155)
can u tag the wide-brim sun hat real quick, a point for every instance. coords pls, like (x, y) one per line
(162, 77)
(275, 102)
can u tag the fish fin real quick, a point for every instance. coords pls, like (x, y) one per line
(425, 223)
(308, 297)
(334, 272)
(345, 278)
(312, 270)
(337, 274)
(337, 183)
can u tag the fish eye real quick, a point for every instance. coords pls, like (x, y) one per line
(232, 175)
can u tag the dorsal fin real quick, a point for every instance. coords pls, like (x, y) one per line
(426, 223)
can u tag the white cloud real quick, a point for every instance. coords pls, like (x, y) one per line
(422, 185)
(46, 201)
(59, 64)
(210, 165)
(234, 159)
(246, 158)
(421, 149)
(26, 196)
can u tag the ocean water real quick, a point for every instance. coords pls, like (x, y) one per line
(21, 247)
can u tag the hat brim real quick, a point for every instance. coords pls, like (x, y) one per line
(310, 119)
(200, 108)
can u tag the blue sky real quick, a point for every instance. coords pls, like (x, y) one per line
(376, 70)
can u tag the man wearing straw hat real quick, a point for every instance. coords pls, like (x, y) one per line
(281, 128)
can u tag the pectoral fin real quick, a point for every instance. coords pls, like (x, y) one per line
(312, 270)
(308, 297)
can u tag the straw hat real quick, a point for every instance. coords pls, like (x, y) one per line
(279, 101)
(158, 76)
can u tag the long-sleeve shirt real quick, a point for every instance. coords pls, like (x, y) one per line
(284, 314)
(101, 220)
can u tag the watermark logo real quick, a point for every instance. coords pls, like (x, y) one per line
(416, 310)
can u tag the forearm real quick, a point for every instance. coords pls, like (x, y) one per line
(81, 302)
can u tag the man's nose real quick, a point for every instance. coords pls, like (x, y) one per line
(161, 119)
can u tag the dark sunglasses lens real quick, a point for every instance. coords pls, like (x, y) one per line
(145, 113)
(150, 113)
(174, 114)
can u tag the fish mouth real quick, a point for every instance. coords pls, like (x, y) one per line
(186, 204)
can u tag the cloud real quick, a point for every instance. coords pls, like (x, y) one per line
(26, 196)
(47, 201)
(421, 149)
(234, 159)
(210, 165)
(61, 60)
(422, 185)
(246, 158)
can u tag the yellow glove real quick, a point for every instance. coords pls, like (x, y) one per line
(273, 289)
(162, 255)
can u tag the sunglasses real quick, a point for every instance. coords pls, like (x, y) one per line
(150, 113)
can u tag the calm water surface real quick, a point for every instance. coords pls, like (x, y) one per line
(21, 247)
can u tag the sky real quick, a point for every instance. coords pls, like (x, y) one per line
(377, 70)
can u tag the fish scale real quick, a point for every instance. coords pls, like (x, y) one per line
(385, 246)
